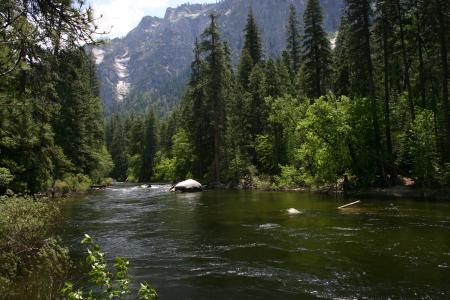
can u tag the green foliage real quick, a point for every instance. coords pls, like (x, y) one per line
(264, 153)
(52, 125)
(28, 255)
(324, 154)
(73, 183)
(289, 178)
(252, 40)
(149, 148)
(184, 155)
(164, 168)
(5, 178)
(108, 285)
(245, 69)
(146, 292)
(104, 165)
(423, 150)
(316, 52)
(118, 148)
(293, 41)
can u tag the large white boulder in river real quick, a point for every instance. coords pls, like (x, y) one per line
(188, 186)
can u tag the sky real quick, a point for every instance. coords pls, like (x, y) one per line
(121, 16)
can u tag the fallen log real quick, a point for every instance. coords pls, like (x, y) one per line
(349, 204)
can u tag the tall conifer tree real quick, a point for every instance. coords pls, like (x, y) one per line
(150, 147)
(293, 41)
(215, 85)
(252, 38)
(316, 51)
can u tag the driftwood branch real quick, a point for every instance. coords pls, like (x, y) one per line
(350, 204)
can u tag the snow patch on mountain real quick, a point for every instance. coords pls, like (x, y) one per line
(185, 12)
(122, 90)
(99, 55)
(121, 70)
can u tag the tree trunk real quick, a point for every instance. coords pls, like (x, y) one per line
(372, 95)
(386, 88)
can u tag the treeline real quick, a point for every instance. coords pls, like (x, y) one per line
(51, 124)
(371, 105)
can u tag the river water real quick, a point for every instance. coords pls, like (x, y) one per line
(246, 245)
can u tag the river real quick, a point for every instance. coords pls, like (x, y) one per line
(245, 245)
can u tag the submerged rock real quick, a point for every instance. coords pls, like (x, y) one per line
(188, 186)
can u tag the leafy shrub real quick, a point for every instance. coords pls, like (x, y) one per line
(423, 150)
(26, 249)
(259, 181)
(164, 169)
(264, 150)
(108, 285)
(183, 153)
(103, 164)
(62, 187)
(73, 183)
(5, 178)
(107, 181)
(289, 178)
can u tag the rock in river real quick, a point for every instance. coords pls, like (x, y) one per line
(188, 186)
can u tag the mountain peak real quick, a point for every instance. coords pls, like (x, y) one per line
(186, 11)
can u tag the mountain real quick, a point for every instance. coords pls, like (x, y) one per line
(150, 65)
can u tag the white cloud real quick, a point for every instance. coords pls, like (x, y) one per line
(120, 16)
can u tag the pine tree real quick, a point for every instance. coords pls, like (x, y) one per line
(118, 150)
(149, 148)
(384, 30)
(196, 112)
(252, 39)
(341, 59)
(316, 51)
(273, 82)
(215, 87)
(258, 109)
(293, 41)
(79, 127)
(245, 69)
(286, 86)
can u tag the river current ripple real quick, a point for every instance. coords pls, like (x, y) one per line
(246, 245)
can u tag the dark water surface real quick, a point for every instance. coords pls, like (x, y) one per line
(245, 245)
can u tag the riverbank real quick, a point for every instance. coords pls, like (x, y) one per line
(400, 191)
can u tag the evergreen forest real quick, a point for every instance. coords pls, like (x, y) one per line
(369, 104)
